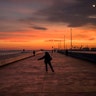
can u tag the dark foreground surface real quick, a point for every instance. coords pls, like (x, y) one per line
(72, 77)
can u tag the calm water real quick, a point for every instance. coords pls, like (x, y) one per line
(7, 52)
(2, 52)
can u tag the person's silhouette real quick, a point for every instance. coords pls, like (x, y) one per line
(34, 52)
(66, 52)
(47, 60)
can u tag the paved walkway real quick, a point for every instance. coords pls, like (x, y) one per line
(72, 77)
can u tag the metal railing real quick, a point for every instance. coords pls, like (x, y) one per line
(89, 56)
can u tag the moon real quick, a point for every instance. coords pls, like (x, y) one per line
(94, 5)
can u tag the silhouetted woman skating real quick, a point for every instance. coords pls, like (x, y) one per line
(47, 60)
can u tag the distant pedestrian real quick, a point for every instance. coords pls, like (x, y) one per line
(47, 60)
(23, 50)
(34, 52)
(66, 52)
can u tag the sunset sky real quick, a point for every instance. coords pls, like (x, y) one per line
(41, 24)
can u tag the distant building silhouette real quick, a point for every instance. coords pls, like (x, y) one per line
(93, 49)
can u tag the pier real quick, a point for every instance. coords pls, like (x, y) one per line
(27, 77)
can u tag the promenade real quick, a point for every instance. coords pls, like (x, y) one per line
(27, 77)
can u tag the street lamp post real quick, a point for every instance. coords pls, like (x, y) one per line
(64, 42)
(71, 37)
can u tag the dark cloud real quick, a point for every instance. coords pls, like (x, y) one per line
(75, 13)
(39, 28)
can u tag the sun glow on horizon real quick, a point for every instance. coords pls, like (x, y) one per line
(42, 24)
(45, 40)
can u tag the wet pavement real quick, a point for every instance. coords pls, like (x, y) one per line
(72, 77)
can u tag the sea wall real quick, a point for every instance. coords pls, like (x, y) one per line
(88, 56)
(13, 59)
(16, 58)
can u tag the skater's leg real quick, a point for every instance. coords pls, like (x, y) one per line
(46, 67)
(51, 66)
